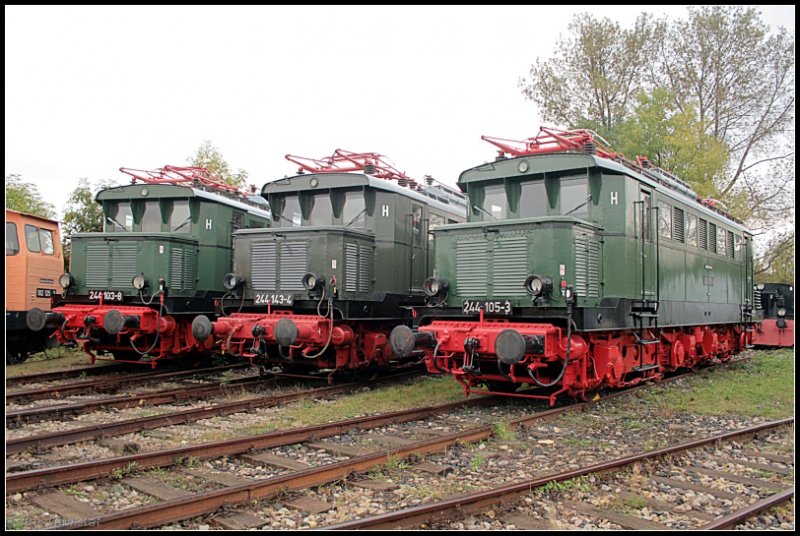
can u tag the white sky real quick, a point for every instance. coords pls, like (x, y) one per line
(89, 90)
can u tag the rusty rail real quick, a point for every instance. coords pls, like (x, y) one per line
(476, 502)
(107, 384)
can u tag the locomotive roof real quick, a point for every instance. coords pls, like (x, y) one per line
(41, 218)
(134, 191)
(568, 161)
(326, 181)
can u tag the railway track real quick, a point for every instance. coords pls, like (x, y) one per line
(222, 487)
(170, 396)
(105, 430)
(62, 374)
(437, 514)
(104, 385)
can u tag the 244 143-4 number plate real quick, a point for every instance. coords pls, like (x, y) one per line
(107, 295)
(263, 298)
(490, 307)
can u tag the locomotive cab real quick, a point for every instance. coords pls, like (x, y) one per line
(346, 256)
(133, 289)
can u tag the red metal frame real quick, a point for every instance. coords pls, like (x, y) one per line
(180, 175)
(604, 359)
(552, 140)
(343, 161)
(174, 333)
(768, 333)
(353, 344)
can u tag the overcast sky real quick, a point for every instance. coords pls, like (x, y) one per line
(89, 90)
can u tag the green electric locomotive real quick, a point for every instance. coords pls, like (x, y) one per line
(343, 262)
(579, 269)
(133, 290)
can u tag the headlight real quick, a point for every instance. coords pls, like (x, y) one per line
(781, 312)
(313, 281)
(66, 280)
(232, 281)
(434, 286)
(760, 286)
(537, 285)
(139, 282)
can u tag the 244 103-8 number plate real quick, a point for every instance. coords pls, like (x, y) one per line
(263, 298)
(495, 307)
(107, 295)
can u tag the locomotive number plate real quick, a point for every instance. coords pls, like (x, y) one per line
(108, 295)
(496, 307)
(263, 298)
(45, 292)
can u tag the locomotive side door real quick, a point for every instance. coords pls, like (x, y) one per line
(647, 268)
(418, 260)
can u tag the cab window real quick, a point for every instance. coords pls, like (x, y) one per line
(493, 204)
(575, 197)
(320, 210)
(120, 218)
(533, 199)
(180, 219)
(46, 240)
(289, 212)
(12, 240)
(32, 239)
(354, 213)
(151, 217)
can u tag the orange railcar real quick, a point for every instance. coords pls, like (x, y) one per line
(34, 261)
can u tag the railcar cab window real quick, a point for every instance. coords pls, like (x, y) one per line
(46, 239)
(354, 211)
(12, 240)
(32, 239)
(575, 197)
(119, 218)
(320, 209)
(491, 202)
(151, 217)
(287, 211)
(532, 199)
(180, 217)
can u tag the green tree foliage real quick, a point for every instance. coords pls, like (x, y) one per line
(211, 158)
(592, 78)
(673, 140)
(739, 78)
(25, 197)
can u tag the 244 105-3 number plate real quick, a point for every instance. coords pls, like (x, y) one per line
(490, 307)
(107, 295)
(263, 298)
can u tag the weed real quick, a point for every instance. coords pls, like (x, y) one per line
(16, 523)
(121, 472)
(477, 461)
(72, 490)
(503, 432)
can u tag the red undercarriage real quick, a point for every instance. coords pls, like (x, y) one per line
(605, 359)
(769, 334)
(160, 337)
(320, 342)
